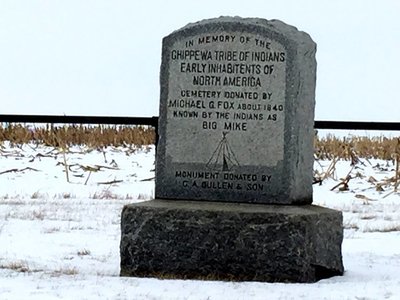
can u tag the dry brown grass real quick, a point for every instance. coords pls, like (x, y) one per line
(351, 148)
(68, 135)
(62, 137)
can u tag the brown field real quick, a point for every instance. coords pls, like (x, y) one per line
(97, 136)
(92, 136)
(350, 148)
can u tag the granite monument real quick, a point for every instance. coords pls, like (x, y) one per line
(234, 161)
(237, 113)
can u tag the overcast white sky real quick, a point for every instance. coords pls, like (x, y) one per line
(98, 57)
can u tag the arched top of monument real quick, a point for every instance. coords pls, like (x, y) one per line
(227, 22)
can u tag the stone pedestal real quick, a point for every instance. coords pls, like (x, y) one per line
(230, 241)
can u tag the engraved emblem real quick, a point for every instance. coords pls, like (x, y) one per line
(223, 158)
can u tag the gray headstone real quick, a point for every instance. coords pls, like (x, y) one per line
(237, 112)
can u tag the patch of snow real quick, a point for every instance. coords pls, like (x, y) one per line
(60, 240)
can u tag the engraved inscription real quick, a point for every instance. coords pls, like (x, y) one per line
(226, 95)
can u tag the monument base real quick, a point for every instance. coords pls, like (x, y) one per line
(230, 241)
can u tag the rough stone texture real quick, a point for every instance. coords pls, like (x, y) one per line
(213, 240)
(245, 132)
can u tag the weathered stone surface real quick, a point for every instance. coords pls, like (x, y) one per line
(237, 113)
(189, 239)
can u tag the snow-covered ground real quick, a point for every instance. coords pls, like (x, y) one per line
(60, 240)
